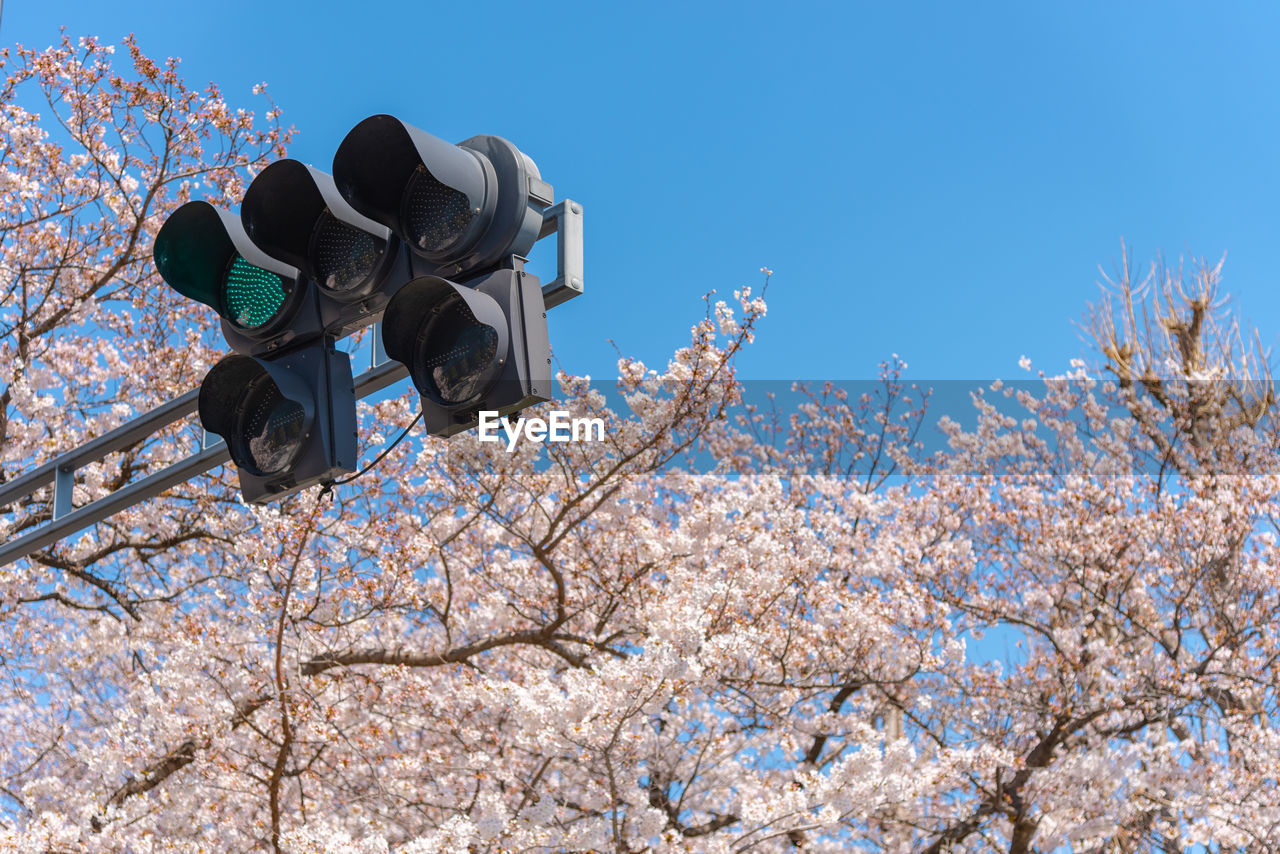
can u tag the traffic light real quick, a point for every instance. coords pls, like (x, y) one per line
(285, 403)
(470, 324)
(469, 347)
(204, 253)
(426, 236)
(294, 212)
(289, 422)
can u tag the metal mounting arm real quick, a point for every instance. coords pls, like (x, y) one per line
(67, 519)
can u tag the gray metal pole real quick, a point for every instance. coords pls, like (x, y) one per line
(121, 437)
(67, 520)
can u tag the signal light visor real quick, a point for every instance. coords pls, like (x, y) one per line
(203, 253)
(294, 212)
(437, 197)
(453, 339)
(265, 416)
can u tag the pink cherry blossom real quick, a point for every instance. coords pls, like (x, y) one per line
(1057, 632)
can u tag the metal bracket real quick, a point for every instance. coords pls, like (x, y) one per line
(564, 219)
(64, 484)
(378, 347)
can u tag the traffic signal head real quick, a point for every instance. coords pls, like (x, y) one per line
(288, 423)
(477, 346)
(295, 213)
(463, 208)
(204, 253)
(429, 236)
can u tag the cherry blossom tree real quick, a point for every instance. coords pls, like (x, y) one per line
(724, 628)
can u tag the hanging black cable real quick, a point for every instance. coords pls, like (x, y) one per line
(327, 488)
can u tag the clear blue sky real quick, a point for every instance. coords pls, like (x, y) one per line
(937, 180)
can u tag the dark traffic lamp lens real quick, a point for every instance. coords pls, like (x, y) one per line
(435, 216)
(345, 257)
(270, 433)
(457, 355)
(251, 296)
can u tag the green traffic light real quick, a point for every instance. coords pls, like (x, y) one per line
(251, 295)
(202, 251)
